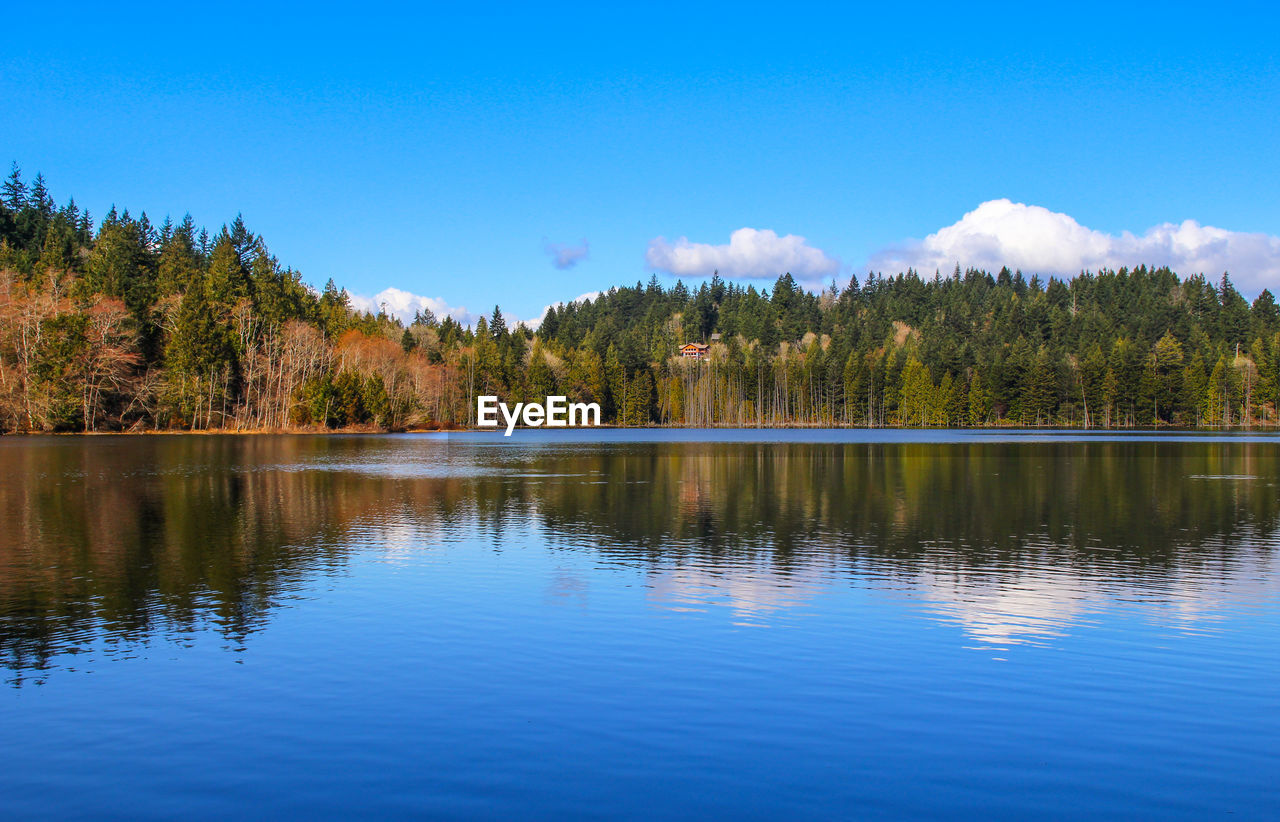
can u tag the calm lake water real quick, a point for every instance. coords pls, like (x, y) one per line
(620, 624)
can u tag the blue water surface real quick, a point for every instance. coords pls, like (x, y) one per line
(672, 624)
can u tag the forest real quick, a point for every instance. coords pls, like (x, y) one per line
(126, 326)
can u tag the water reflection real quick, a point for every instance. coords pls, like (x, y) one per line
(754, 596)
(112, 542)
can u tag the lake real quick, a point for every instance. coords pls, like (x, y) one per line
(638, 624)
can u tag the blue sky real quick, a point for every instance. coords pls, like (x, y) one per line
(440, 152)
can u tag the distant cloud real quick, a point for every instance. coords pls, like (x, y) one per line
(1035, 239)
(564, 255)
(403, 305)
(750, 253)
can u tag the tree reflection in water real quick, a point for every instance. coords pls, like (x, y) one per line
(113, 542)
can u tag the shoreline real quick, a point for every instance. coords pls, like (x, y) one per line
(1257, 429)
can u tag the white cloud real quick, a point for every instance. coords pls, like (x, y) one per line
(403, 305)
(1035, 239)
(564, 255)
(750, 253)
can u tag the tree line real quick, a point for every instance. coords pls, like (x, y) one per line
(123, 325)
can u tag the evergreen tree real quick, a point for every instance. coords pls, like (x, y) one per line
(1167, 359)
(979, 401)
(14, 195)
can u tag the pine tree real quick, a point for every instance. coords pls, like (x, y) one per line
(334, 309)
(426, 318)
(1264, 315)
(1219, 394)
(616, 380)
(227, 280)
(84, 228)
(943, 398)
(178, 262)
(122, 265)
(639, 399)
(915, 393)
(39, 198)
(14, 193)
(587, 380)
(199, 356)
(958, 403)
(1234, 318)
(1194, 384)
(542, 380)
(1167, 361)
(1093, 370)
(1039, 394)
